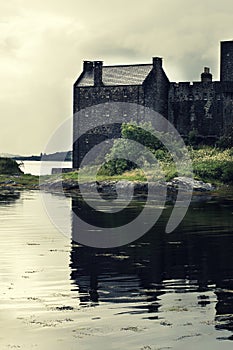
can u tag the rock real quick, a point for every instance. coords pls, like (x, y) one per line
(187, 183)
(137, 189)
(6, 194)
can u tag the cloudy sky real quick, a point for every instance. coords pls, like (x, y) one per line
(43, 44)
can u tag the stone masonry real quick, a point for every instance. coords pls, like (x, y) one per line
(205, 106)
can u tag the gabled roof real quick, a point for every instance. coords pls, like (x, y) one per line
(118, 75)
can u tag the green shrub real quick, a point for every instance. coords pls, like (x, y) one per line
(9, 166)
(227, 173)
(193, 138)
(116, 167)
(226, 140)
(143, 135)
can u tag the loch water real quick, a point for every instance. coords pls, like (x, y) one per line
(163, 291)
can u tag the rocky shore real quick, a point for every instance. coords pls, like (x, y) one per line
(110, 188)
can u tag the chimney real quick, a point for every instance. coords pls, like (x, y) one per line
(98, 73)
(157, 62)
(87, 66)
(206, 76)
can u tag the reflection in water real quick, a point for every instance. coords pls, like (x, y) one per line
(196, 259)
(8, 196)
(162, 291)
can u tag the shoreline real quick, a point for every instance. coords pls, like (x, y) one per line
(10, 187)
(137, 190)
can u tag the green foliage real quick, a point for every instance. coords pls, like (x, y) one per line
(25, 181)
(221, 171)
(144, 135)
(226, 141)
(145, 147)
(144, 151)
(116, 167)
(227, 173)
(210, 164)
(9, 166)
(193, 138)
(213, 164)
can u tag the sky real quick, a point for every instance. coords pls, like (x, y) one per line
(43, 45)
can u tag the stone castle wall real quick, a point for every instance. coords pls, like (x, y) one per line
(205, 106)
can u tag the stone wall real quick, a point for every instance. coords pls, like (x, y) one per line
(197, 106)
(89, 97)
(205, 106)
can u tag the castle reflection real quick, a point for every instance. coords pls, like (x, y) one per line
(196, 259)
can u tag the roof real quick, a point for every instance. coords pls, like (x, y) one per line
(118, 75)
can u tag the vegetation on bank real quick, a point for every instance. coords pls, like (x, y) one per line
(23, 181)
(11, 175)
(212, 164)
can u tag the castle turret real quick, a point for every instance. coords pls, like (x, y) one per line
(226, 70)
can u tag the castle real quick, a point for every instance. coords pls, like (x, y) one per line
(204, 106)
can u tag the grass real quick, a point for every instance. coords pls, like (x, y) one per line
(23, 180)
(87, 175)
(210, 164)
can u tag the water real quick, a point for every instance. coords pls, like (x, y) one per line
(164, 291)
(34, 167)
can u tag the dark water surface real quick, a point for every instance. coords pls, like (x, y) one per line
(164, 291)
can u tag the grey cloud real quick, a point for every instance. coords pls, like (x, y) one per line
(43, 45)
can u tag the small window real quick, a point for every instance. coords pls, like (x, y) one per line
(190, 97)
(125, 93)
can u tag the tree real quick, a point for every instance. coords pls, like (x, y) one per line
(142, 151)
(9, 166)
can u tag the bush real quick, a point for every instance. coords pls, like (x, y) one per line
(9, 166)
(214, 170)
(145, 151)
(226, 141)
(227, 173)
(116, 167)
(143, 135)
(193, 138)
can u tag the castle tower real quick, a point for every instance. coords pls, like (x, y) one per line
(226, 69)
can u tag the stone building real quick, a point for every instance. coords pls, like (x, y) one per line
(205, 106)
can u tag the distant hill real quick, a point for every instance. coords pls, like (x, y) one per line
(8, 155)
(58, 156)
